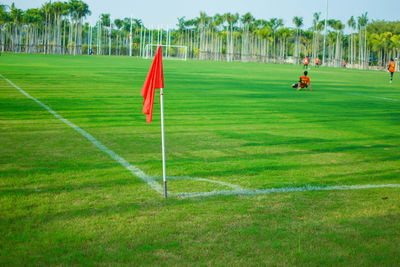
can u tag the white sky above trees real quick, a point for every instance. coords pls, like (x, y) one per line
(165, 12)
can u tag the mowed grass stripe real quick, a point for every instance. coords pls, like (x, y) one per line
(64, 203)
(134, 170)
(237, 123)
(157, 187)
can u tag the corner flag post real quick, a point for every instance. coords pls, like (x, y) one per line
(163, 141)
(155, 79)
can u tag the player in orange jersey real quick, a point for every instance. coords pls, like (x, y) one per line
(317, 62)
(344, 64)
(391, 69)
(305, 62)
(303, 83)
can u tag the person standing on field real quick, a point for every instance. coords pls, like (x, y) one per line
(306, 62)
(391, 69)
(317, 62)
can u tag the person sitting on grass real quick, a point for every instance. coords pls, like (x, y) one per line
(303, 83)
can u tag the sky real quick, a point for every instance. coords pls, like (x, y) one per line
(164, 13)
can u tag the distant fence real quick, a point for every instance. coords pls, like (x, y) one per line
(122, 50)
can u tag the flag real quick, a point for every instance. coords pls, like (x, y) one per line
(155, 79)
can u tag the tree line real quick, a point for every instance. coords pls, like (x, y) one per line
(59, 28)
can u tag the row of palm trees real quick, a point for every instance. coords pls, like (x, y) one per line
(58, 28)
(43, 30)
(251, 39)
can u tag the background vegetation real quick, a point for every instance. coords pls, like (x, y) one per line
(59, 28)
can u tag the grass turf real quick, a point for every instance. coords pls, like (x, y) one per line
(63, 201)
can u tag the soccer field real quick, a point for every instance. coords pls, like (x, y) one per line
(235, 133)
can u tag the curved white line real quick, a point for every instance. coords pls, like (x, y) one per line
(233, 186)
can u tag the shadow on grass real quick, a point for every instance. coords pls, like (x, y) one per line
(51, 168)
(375, 175)
(286, 167)
(67, 188)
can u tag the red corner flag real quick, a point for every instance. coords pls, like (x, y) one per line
(155, 79)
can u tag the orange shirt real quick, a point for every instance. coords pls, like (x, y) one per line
(392, 66)
(306, 61)
(344, 62)
(304, 81)
(317, 60)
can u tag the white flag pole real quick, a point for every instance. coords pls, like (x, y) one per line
(163, 141)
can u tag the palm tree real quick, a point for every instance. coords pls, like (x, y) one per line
(352, 25)
(82, 10)
(203, 19)
(364, 18)
(64, 12)
(234, 19)
(46, 9)
(386, 45)
(58, 8)
(138, 23)
(274, 24)
(32, 19)
(118, 24)
(73, 6)
(230, 19)
(247, 20)
(395, 44)
(362, 24)
(16, 19)
(216, 39)
(218, 20)
(298, 21)
(5, 19)
(338, 26)
(315, 45)
(377, 41)
(284, 33)
(181, 24)
(105, 20)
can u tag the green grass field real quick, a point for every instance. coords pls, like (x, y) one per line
(238, 126)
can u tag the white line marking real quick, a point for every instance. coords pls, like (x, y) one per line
(133, 169)
(235, 187)
(157, 187)
(378, 97)
(306, 188)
